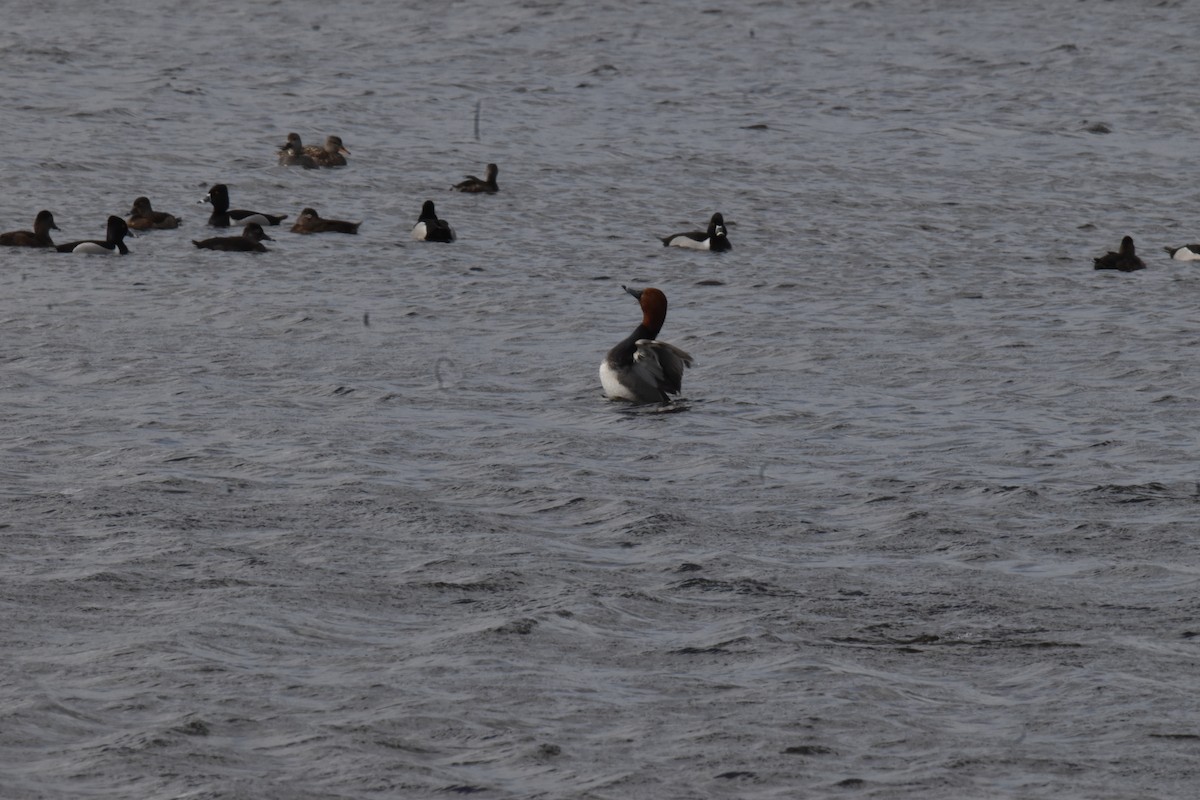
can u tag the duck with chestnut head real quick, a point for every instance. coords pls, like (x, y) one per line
(642, 369)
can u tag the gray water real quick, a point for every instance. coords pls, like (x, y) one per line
(351, 519)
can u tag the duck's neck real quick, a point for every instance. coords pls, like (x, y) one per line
(644, 331)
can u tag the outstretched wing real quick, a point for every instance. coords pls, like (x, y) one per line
(663, 364)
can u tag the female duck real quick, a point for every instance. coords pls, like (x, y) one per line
(642, 369)
(223, 216)
(312, 222)
(431, 229)
(113, 244)
(714, 238)
(330, 155)
(249, 242)
(1125, 260)
(38, 237)
(473, 184)
(292, 154)
(143, 218)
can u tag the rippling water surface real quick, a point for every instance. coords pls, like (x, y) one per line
(351, 519)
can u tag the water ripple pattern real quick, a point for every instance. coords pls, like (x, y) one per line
(351, 519)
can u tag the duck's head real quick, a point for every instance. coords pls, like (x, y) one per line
(654, 307)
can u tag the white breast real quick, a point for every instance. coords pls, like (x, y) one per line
(690, 243)
(93, 249)
(610, 381)
(259, 218)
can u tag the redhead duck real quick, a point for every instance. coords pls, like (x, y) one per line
(292, 154)
(113, 244)
(642, 369)
(1189, 252)
(473, 184)
(1125, 260)
(312, 222)
(431, 229)
(330, 155)
(38, 237)
(143, 218)
(223, 216)
(714, 238)
(249, 242)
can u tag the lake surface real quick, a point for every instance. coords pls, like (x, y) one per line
(351, 519)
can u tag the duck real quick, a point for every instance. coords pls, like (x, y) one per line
(249, 242)
(142, 217)
(292, 154)
(1125, 259)
(223, 216)
(312, 222)
(641, 369)
(43, 223)
(473, 184)
(330, 155)
(715, 238)
(431, 229)
(114, 241)
(1188, 252)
